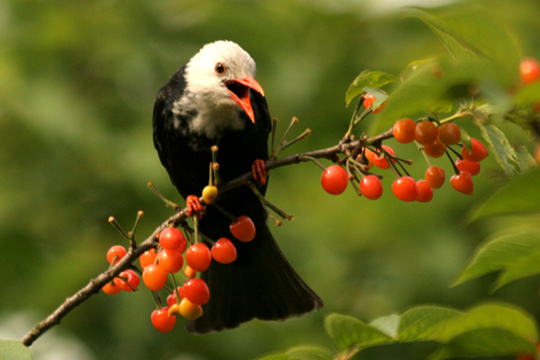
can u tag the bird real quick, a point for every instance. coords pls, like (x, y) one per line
(215, 99)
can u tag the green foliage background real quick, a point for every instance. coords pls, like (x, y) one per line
(77, 85)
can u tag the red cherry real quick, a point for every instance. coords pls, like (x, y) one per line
(147, 258)
(172, 299)
(368, 101)
(128, 280)
(472, 167)
(370, 155)
(190, 273)
(425, 132)
(449, 134)
(112, 287)
(117, 250)
(478, 151)
(162, 321)
(425, 192)
(371, 187)
(171, 260)
(196, 291)
(403, 131)
(462, 182)
(405, 188)
(529, 71)
(435, 150)
(435, 177)
(224, 251)
(243, 229)
(334, 180)
(172, 239)
(198, 257)
(154, 277)
(380, 160)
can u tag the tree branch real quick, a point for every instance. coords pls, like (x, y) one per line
(93, 287)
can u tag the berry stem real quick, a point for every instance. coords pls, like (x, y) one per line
(302, 136)
(283, 140)
(459, 114)
(455, 152)
(315, 161)
(215, 165)
(403, 168)
(274, 129)
(267, 204)
(397, 159)
(175, 288)
(115, 223)
(226, 213)
(210, 175)
(352, 175)
(189, 235)
(187, 232)
(157, 300)
(355, 120)
(421, 149)
(154, 189)
(132, 242)
(196, 229)
(456, 170)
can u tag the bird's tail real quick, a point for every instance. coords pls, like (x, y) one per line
(259, 284)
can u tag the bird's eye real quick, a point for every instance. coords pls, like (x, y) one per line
(220, 68)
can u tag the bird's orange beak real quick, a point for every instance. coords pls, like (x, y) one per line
(239, 89)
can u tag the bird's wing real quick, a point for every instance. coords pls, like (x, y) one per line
(162, 115)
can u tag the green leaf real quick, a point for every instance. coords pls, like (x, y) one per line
(414, 65)
(519, 196)
(388, 325)
(506, 253)
(500, 147)
(346, 331)
(457, 51)
(379, 95)
(373, 79)
(526, 266)
(309, 353)
(420, 323)
(489, 316)
(525, 159)
(485, 342)
(14, 350)
(475, 29)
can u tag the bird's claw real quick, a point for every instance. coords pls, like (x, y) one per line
(259, 171)
(193, 204)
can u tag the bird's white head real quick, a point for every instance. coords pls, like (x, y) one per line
(218, 81)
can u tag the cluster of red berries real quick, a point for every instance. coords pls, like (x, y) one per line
(433, 139)
(127, 280)
(168, 258)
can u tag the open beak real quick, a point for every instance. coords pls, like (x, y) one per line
(239, 89)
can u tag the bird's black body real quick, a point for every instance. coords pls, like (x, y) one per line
(260, 283)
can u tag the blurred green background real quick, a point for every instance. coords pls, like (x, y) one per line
(77, 86)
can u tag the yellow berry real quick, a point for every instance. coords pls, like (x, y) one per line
(174, 310)
(189, 310)
(209, 194)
